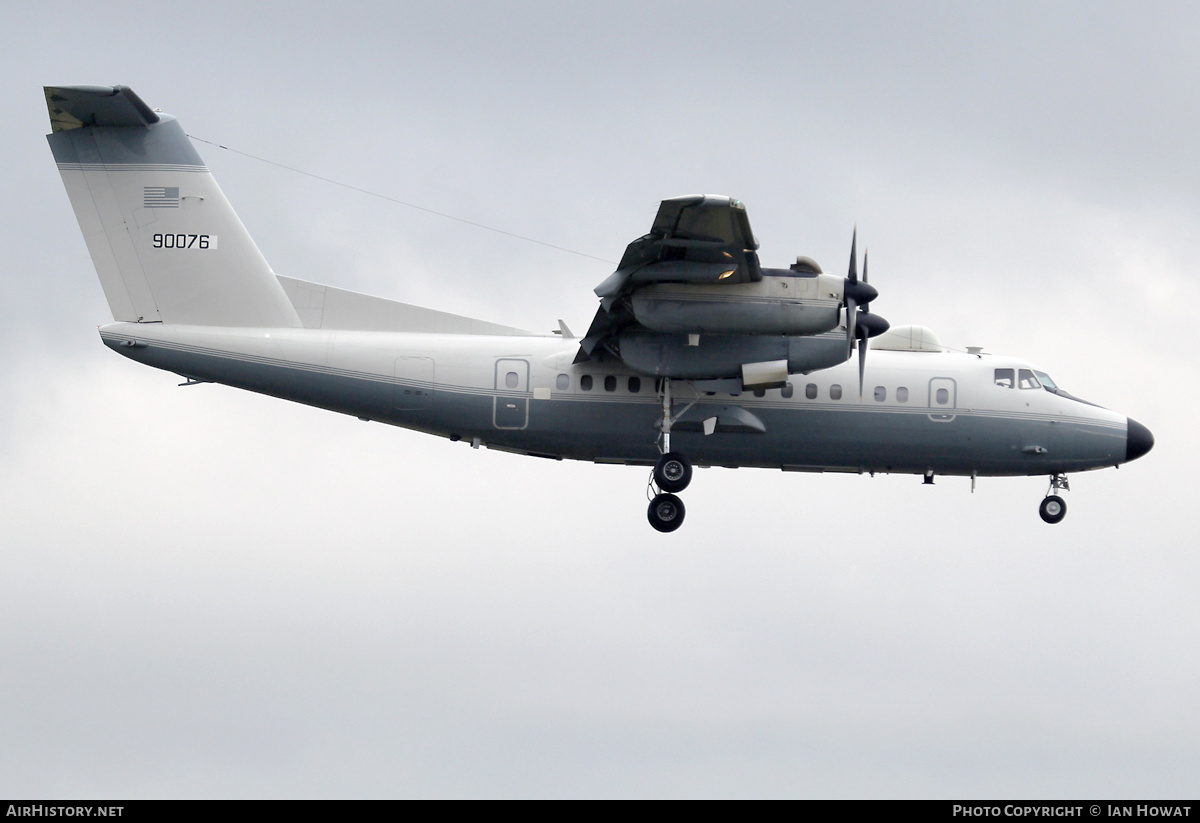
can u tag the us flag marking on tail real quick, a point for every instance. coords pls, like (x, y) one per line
(160, 197)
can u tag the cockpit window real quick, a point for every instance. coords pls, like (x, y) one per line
(1046, 381)
(1026, 380)
(1004, 378)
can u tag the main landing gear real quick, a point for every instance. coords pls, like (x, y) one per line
(1054, 508)
(671, 474)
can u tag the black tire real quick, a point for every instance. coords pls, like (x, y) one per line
(672, 472)
(666, 512)
(1053, 509)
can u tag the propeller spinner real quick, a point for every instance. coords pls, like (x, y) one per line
(860, 323)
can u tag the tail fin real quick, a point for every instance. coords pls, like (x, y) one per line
(166, 243)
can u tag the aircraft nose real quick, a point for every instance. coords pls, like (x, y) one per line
(1138, 440)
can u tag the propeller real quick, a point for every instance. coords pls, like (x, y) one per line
(860, 323)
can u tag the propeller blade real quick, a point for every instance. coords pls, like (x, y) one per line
(862, 361)
(860, 291)
(851, 322)
(853, 275)
(850, 293)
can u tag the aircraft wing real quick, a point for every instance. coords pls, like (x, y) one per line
(701, 239)
(694, 239)
(689, 300)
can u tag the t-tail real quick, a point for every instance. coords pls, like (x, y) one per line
(166, 244)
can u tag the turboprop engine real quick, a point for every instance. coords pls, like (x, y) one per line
(689, 300)
(781, 302)
(760, 361)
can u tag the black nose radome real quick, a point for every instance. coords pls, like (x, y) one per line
(1138, 440)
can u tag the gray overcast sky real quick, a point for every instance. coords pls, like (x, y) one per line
(210, 593)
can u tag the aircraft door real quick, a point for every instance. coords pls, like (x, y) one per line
(510, 406)
(413, 388)
(943, 399)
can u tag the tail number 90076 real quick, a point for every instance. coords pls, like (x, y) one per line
(185, 241)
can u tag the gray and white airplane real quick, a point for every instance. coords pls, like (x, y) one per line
(698, 355)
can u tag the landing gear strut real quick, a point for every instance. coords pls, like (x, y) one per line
(671, 474)
(1054, 508)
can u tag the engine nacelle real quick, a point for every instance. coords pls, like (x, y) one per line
(787, 304)
(722, 356)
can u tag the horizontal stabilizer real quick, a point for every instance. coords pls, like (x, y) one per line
(73, 107)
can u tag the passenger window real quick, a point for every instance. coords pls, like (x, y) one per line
(902, 394)
(635, 385)
(880, 394)
(510, 379)
(585, 382)
(943, 397)
(787, 391)
(810, 391)
(562, 382)
(1004, 378)
(1026, 380)
(835, 392)
(610, 383)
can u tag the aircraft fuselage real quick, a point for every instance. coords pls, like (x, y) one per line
(921, 412)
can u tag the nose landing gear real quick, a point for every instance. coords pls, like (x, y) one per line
(1053, 508)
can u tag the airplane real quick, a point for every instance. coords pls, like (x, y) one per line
(698, 355)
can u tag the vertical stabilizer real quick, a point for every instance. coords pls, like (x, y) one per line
(166, 243)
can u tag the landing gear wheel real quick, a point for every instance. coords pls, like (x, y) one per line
(672, 472)
(1053, 509)
(665, 512)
